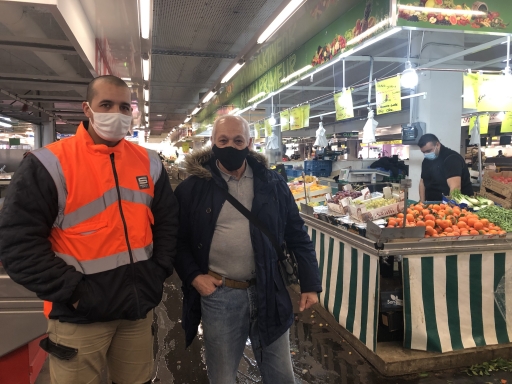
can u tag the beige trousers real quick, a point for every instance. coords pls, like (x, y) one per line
(119, 350)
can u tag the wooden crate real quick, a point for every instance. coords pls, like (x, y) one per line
(489, 185)
(505, 203)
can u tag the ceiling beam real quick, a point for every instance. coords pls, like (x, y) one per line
(499, 60)
(53, 99)
(35, 44)
(15, 77)
(192, 53)
(478, 48)
(180, 85)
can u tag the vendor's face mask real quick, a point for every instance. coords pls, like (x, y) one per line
(231, 158)
(432, 155)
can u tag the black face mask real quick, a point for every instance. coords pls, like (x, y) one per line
(231, 158)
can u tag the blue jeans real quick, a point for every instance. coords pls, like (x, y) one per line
(229, 316)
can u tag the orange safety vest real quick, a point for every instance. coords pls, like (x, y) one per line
(104, 196)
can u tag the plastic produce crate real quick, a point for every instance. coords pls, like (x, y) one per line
(324, 166)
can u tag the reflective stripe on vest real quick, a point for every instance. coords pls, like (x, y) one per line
(155, 165)
(52, 164)
(100, 204)
(107, 263)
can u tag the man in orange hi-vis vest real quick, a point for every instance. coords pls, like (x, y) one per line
(89, 224)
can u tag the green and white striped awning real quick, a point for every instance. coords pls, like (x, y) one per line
(350, 281)
(449, 301)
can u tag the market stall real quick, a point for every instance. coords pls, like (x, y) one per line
(449, 310)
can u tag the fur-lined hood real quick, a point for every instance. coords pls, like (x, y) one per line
(195, 162)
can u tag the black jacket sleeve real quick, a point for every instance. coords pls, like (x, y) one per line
(26, 220)
(186, 266)
(165, 230)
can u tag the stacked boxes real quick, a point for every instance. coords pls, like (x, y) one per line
(496, 191)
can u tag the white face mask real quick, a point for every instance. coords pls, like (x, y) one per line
(111, 126)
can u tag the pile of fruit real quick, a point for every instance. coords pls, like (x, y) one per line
(343, 195)
(377, 203)
(442, 220)
(501, 179)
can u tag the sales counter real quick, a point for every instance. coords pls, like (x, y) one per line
(448, 287)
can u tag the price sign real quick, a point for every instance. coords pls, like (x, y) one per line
(344, 105)
(389, 95)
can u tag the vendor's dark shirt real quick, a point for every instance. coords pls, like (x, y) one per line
(435, 173)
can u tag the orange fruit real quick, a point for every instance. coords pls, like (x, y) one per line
(473, 232)
(464, 219)
(435, 235)
(410, 218)
(472, 221)
(478, 225)
(449, 230)
(400, 215)
(420, 224)
(429, 217)
(485, 222)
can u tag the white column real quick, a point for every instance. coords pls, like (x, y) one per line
(442, 108)
(48, 132)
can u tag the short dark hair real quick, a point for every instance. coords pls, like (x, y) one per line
(109, 79)
(427, 138)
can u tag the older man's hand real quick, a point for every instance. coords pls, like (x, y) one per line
(307, 299)
(206, 284)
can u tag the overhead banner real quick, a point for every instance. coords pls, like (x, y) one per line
(389, 95)
(344, 105)
(484, 124)
(493, 15)
(506, 126)
(285, 120)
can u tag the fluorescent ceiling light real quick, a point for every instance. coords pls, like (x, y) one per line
(145, 16)
(258, 96)
(145, 69)
(442, 10)
(146, 109)
(233, 71)
(187, 119)
(146, 94)
(6, 125)
(5, 118)
(285, 14)
(296, 73)
(196, 110)
(159, 115)
(369, 32)
(209, 96)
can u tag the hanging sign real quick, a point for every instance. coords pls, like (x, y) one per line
(494, 93)
(259, 128)
(285, 120)
(185, 147)
(296, 118)
(344, 105)
(470, 90)
(484, 124)
(256, 131)
(268, 127)
(305, 115)
(506, 126)
(389, 95)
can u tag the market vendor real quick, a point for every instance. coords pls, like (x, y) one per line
(442, 170)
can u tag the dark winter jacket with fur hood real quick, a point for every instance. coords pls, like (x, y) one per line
(200, 204)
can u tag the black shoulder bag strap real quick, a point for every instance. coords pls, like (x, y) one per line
(253, 219)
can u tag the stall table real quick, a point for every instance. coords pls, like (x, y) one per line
(448, 287)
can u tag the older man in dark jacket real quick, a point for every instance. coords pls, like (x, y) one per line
(229, 268)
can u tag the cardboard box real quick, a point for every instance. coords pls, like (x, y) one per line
(505, 203)
(489, 185)
(359, 212)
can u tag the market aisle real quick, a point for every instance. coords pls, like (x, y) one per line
(320, 356)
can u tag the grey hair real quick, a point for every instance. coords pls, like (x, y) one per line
(239, 119)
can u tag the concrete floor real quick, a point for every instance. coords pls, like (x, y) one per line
(319, 355)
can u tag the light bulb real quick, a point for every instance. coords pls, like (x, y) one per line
(409, 78)
(272, 120)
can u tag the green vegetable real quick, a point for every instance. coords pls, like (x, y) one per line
(500, 216)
